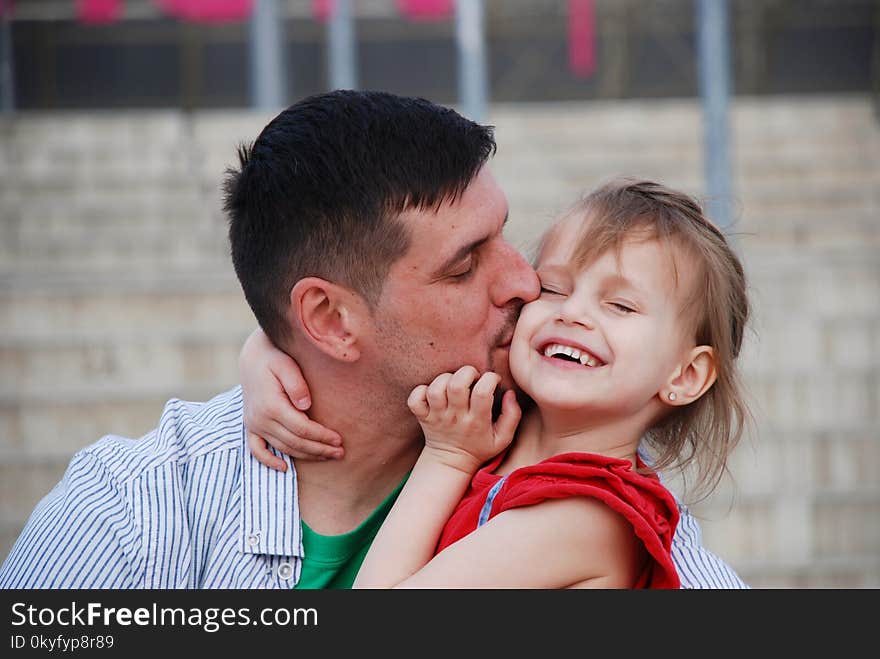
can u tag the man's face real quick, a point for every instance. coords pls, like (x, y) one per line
(454, 297)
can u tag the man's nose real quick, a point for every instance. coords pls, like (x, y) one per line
(514, 279)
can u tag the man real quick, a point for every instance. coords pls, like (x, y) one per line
(366, 232)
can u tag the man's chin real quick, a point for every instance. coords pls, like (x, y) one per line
(501, 366)
(507, 382)
(502, 388)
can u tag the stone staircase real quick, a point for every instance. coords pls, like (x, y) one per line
(116, 293)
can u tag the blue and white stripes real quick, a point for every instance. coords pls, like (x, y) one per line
(486, 510)
(179, 508)
(698, 567)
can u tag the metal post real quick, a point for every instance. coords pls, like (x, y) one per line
(342, 50)
(470, 37)
(267, 56)
(7, 78)
(713, 61)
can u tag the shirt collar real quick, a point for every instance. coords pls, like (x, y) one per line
(270, 519)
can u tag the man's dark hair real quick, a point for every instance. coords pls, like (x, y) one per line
(320, 190)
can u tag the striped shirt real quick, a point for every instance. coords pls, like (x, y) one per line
(188, 506)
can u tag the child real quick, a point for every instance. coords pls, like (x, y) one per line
(634, 337)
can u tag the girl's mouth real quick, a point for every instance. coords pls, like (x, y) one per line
(571, 354)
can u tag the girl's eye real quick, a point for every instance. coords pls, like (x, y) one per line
(549, 291)
(622, 307)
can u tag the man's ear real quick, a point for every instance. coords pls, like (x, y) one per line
(329, 315)
(692, 379)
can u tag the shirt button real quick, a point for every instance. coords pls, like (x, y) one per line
(253, 539)
(285, 571)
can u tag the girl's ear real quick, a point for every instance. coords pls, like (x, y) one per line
(329, 315)
(696, 374)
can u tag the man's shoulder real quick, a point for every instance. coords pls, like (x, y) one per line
(187, 432)
(119, 518)
(697, 566)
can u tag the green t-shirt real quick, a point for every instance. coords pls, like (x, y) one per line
(333, 561)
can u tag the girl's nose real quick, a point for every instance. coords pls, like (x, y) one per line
(575, 312)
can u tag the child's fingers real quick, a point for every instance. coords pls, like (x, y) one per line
(260, 450)
(297, 446)
(418, 401)
(292, 380)
(291, 423)
(505, 425)
(483, 394)
(458, 391)
(437, 392)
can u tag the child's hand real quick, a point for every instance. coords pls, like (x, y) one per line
(457, 420)
(270, 380)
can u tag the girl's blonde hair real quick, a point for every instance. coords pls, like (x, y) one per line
(704, 433)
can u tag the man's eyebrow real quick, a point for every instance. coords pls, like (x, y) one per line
(463, 251)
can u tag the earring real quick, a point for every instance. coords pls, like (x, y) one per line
(671, 395)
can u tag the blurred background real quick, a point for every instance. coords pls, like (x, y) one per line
(119, 117)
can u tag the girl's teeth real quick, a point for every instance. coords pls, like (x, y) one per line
(558, 349)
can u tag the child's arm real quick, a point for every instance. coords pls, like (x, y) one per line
(563, 543)
(275, 397)
(555, 544)
(459, 437)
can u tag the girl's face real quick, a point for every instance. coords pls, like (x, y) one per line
(606, 338)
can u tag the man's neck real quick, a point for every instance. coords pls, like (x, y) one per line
(382, 441)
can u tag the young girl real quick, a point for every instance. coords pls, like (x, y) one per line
(633, 339)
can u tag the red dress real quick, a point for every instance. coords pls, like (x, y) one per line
(640, 498)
